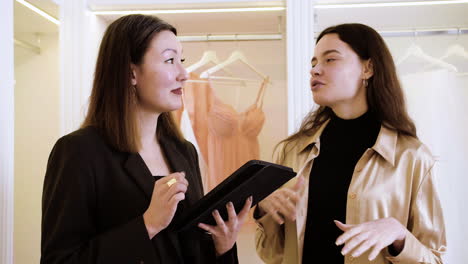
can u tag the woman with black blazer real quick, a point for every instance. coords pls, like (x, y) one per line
(113, 187)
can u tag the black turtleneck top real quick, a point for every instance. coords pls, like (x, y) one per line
(342, 144)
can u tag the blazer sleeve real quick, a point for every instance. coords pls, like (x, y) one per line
(269, 235)
(69, 228)
(425, 239)
(230, 257)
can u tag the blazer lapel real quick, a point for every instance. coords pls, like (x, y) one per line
(178, 163)
(137, 169)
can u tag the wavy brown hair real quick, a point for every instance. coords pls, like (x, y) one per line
(384, 93)
(113, 100)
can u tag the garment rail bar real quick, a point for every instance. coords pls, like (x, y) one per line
(429, 32)
(233, 37)
(28, 46)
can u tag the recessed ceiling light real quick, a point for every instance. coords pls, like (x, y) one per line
(39, 11)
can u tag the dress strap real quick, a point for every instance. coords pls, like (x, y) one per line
(261, 93)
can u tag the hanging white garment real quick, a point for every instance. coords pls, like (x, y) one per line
(187, 132)
(429, 102)
(435, 102)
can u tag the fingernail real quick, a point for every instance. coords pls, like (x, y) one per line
(183, 173)
(250, 198)
(230, 204)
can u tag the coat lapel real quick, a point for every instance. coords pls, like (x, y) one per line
(178, 162)
(138, 170)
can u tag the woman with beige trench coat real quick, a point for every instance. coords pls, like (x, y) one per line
(365, 190)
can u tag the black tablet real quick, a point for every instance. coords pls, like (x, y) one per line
(255, 178)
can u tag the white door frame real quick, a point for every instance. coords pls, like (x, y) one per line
(7, 130)
(300, 46)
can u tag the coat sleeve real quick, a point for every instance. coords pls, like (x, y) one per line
(269, 235)
(69, 229)
(425, 239)
(269, 240)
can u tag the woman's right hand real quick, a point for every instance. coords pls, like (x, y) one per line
(281, 204)
(164, 202)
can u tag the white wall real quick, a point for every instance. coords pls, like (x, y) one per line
(37, 123)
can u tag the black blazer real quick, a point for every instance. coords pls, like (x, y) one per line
(93, 202)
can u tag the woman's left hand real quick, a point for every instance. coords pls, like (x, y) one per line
(376, 234)
(225, 233)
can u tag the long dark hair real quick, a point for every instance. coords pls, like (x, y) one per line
(112, 106)
(384, 94)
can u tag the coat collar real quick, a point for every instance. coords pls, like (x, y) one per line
(385, 145)
(314, 139)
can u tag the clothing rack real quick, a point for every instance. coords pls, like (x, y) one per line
(279, 36)
(424, 32)
(419, 32)
(231, 37)
(28, 46)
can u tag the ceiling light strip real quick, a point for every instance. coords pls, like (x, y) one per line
(390, 4)
(39, 11)
(190, 11)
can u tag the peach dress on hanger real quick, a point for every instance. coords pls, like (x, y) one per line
(196, 96)
(226, 138)
(232, 137)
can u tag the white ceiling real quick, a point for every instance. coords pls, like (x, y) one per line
(177, 4)
(381, 18)
(387, 18)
